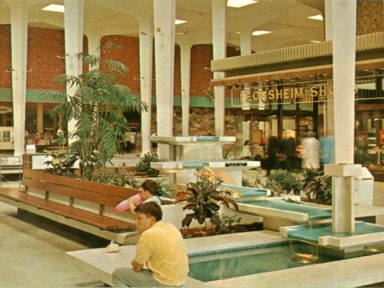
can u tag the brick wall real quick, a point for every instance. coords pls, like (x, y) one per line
(5, 56)
(128, 53)
(45, 47)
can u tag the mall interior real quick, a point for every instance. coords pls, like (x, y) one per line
(217, 81)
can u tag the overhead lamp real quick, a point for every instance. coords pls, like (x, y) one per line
(260, 32)
(54, 8)
(179, 21)
(315, 41)
(240, 3)
(317, 17)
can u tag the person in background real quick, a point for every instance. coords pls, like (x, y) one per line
(149, 191)
(272, 150)
(127, 141)
(310, 152)
(289, 150)
(160, 248)
(327, 148)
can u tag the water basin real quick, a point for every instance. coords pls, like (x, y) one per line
(313, 233)
(314, 213)
(237, 262)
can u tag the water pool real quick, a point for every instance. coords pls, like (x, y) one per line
(217, 265)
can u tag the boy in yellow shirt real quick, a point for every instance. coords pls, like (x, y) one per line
(161, 248)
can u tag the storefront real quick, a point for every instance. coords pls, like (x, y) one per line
(290, 92)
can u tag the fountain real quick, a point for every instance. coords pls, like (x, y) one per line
(343, 233)
(321, 252)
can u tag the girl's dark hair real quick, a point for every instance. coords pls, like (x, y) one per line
(150, 208)
(151, 186)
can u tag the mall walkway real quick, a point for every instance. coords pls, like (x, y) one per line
(32, 250)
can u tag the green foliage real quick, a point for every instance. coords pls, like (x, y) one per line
(227, 223)
(210, 94)
(97, 108)
(144, 164)
(205, 200)
(283, 182)
(165, 190)
(114, 176)
(317, 187)
(61, 163)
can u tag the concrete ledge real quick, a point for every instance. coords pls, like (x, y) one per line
(354, 272)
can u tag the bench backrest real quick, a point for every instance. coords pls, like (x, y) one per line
(104, 194)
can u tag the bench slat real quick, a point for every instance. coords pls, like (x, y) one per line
(103, 222)
(95, 197)
(81, 184)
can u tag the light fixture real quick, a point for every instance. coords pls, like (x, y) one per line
(317, 17)
(240, 3)
(315, 41)
(179, 21)
(260, 32)
(54, 8)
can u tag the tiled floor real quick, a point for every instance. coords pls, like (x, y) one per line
(32, 250)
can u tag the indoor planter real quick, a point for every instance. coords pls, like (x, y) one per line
(204, 203)
(98, 108)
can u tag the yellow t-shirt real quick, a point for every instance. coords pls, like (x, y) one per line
(162, 249)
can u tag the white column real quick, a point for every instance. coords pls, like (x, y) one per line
(245, 49)
(73, 24)
(94, 42)
(344, 50)
(343, 204)
(329, 129)
(164, 12)
(185, 57)
(19, 46)
(245, 41)
(328, 19)
(219, 52)
(146, 55)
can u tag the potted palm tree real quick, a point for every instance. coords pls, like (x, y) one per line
(98, 108)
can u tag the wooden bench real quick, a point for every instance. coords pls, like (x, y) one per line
(75, 202)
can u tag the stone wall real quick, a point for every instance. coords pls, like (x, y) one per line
(201, 122)
(370, 16)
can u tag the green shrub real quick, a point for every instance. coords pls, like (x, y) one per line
(144, 164)
(283, 182)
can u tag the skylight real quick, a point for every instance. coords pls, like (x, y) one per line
(240, 3)
(317, 17)
(260, 32)
(54, 8)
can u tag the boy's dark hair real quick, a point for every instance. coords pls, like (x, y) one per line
(150, 208)
(151, 186)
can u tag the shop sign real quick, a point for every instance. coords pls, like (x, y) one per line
(251, 96)
(292, 93)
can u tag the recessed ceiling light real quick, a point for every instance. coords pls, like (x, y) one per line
(178, 21)
(317, 17)
(54, 8)
(240, 3)
(260, 32)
